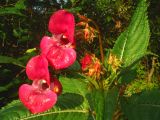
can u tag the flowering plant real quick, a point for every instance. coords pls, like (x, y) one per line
(72, 83)
(56, 51)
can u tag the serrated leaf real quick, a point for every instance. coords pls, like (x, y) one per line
(6, 59)
(73, 84)
(70, 99)
(145, 106)
(111, 98)
(132, 43)
(103, 103)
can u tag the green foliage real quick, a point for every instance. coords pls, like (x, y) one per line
(69, 105)
(20, 4)
(6, 59)
(10, 85)
(16, 10)
(67, 108)
(103, 5)
(103, 103)
(144, 106)
(10, 10)
(138, 86)
(74, 84)
(132, 43)
(128, 75)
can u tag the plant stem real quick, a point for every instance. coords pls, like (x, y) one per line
(152, 69)
(100, 39)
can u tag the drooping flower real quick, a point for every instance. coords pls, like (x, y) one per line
(59, 56)
(46, 43)
(62, 22)
(37, 69)
(85, 31)
(56, 51)
(36, 98)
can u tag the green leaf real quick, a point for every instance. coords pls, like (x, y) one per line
(111, 98)
(68, 107)
(10, 11)
(15, 82)
(31, 50)
(127, 75)
(75, 9)
(16, 10)
(96, 101)
(70, 99)
(74, 84)
(103, 103)
(20, 4)
(28, 55)
(132, 43)
(145, 106)
(2, 89)
(76, 66)
(6, 59)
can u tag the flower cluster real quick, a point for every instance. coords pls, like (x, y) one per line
(85, 31)
(91, 66)
(56, 51)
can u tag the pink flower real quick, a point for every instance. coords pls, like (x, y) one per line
(62, 22)
(46, 43)
(55, 51)
(58, 55)
(36, 98)
(58, 48)
(37, 69)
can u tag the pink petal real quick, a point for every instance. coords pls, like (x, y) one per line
(37, 69)
(47, 43)
(60, 57)
(62, 22)
(37, 100)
